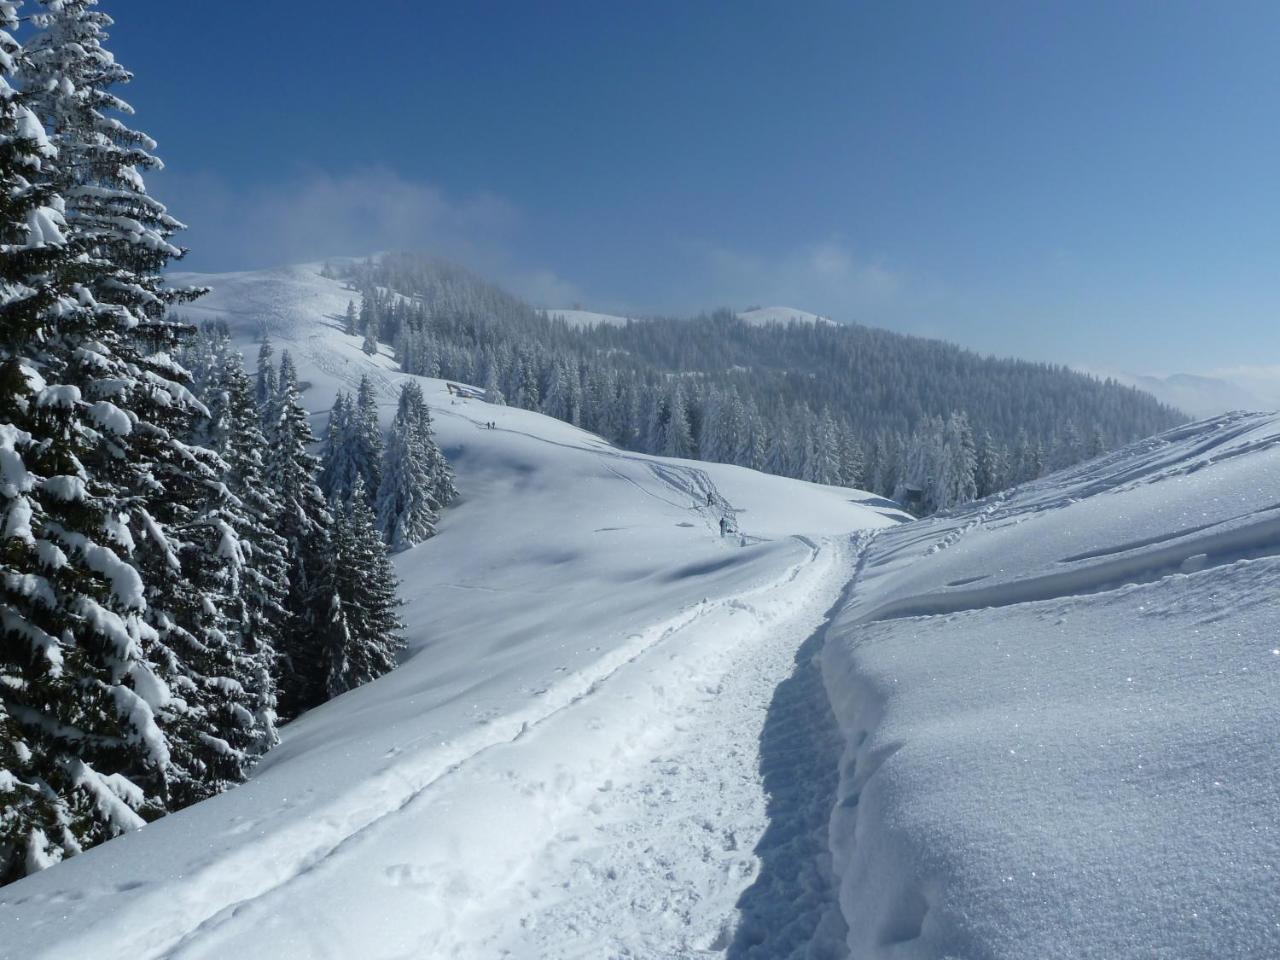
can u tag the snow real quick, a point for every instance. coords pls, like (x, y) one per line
(1040, 726)
(110, 417)
(577, 617)
(760, 316)
(1058, 713)
(589, 318)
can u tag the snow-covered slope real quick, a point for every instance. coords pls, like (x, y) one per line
(577, 619)
(1043, 726)
(588, 318)
(783, 315)
(1059, 712)
(758, 317)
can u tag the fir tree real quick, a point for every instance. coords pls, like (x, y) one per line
(266, 379)
(100, 485)
(303, 522)
(337, 470)
(407, 504)
(361, 629)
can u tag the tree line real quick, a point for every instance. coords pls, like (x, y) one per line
(921, 421)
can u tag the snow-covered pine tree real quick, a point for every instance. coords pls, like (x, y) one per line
(987, 469)
(678, 438)
(266, 380)
(69, 605)
(528, 395)
(443, 489)
(349, 319)
(852, 462)
(370, 345)
(492, 391)
(361, 633)
(108, 486)
(336, 467)
(366, 317)
(303, 522)
(364, 439)
(407, 505)
(957, 467)
(255, 601)
(187, 552)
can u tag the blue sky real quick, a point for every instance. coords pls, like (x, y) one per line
(1091, 183)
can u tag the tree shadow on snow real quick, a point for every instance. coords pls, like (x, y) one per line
(790, 911)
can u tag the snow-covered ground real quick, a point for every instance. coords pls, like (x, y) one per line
(1060, 714)
(759, 316)
(783, 315)
(568, 761)
(588, 318)
(1043, 726)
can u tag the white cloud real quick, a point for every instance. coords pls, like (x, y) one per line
(825, 277)
(320, 215)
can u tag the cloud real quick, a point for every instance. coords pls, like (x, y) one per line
(543, 288)
(827, 278)
(319, 215)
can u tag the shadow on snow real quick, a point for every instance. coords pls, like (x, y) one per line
(791, 911)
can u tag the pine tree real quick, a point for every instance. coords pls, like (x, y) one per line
(266, 379)
(349, 319)
(303, 522)
(407, 505)
(443, 490)
(362, 631)
(69, 605)
(678, 438)
(255, 599)
(364, 439)
(493, 392)
(104, 487)
(337, 470)
(957, 468)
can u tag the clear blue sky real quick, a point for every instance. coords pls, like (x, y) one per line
(1094, 183)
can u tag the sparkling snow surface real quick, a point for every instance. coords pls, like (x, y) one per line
(1060, 714)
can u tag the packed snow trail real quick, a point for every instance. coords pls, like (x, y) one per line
(636, 840)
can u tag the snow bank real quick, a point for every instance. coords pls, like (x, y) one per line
(1059, 714)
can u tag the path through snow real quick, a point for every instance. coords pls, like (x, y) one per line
(622, 825)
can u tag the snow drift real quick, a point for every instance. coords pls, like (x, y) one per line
(1059, 714)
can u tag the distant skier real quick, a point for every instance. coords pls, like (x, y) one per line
(710, 498)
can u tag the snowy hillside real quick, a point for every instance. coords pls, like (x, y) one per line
(587, 318)
(577, 627)
(1042, 726)
(784, 315)
(1059, 714)
(757, 317)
